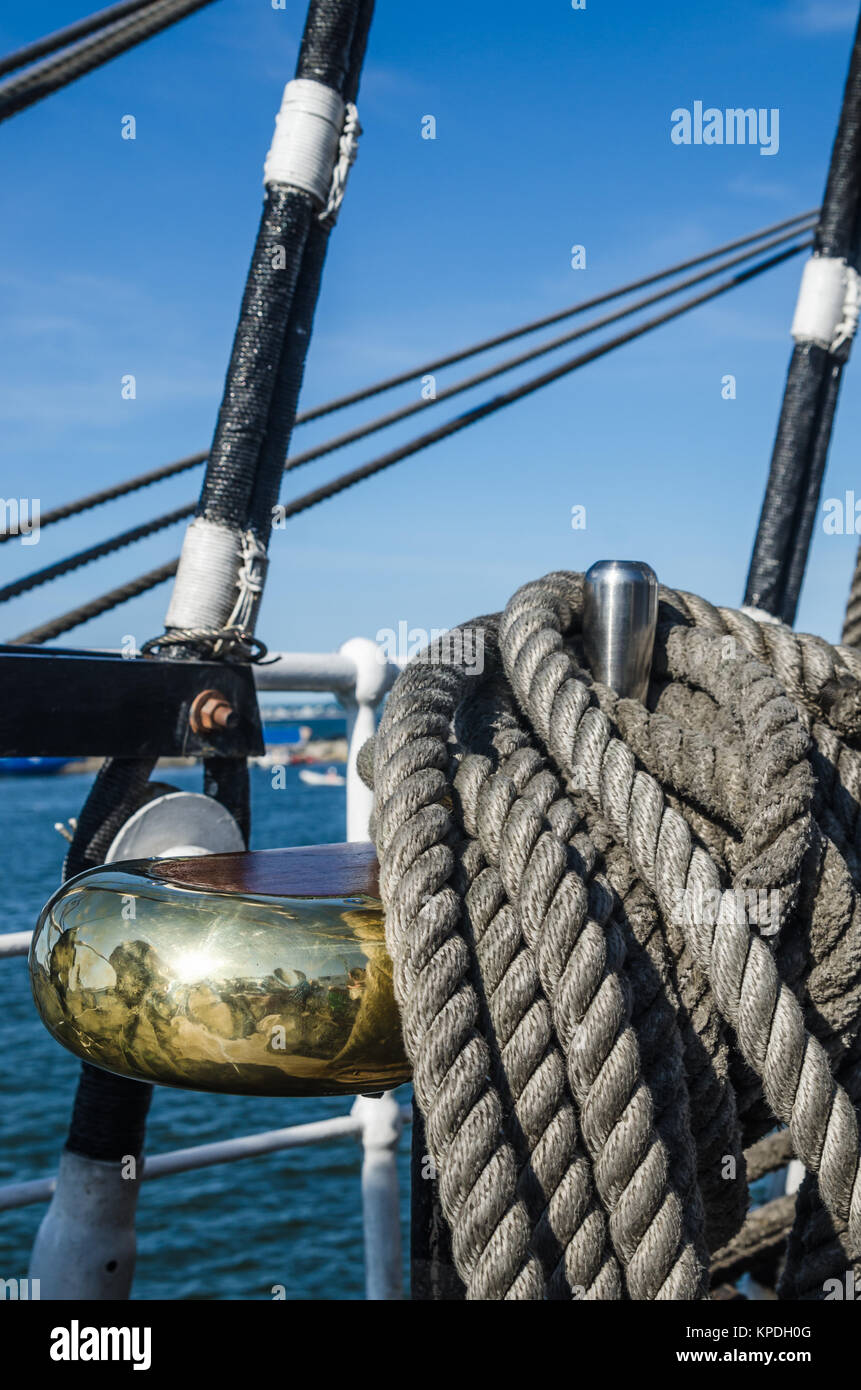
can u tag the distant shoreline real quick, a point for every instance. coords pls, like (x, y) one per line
(277, 755)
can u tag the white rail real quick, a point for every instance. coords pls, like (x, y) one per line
(15, 943)
(376, 1122)
(358, 675)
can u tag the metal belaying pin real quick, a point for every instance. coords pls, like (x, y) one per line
(620, 614)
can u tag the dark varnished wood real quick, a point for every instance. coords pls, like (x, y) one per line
(313, 871)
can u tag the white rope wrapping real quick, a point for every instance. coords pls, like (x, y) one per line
(215, 561)
(249, 582)
(828, 305)
(348, 148)
(307, 137)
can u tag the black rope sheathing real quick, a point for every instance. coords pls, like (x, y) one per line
(807, 415)
(109, 1114)
(65, 622)
(119, 789)
(327, 53)
(259, 404)
(232, 464)
(61, 38)
(53, 73)
(291, 367)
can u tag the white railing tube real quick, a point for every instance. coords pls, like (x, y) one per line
(374, 675)
(381, 1119)
(15, 943)
(22, 1194)
(326, 671)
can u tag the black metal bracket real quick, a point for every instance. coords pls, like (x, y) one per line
(56, 702)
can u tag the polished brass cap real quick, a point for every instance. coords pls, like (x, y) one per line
(251, 974)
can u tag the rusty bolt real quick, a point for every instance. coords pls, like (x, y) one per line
(210, 711)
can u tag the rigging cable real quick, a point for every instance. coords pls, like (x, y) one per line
(54, 73)
(546, 322)
(169, 470)
(67, 621)
(95, 552)
(61, 38)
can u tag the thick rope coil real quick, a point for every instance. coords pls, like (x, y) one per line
(627, 944)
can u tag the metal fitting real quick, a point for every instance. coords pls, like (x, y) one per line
(210, 711)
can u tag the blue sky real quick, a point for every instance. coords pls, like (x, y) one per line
(553, 128)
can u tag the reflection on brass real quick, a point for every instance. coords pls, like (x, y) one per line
(248, 994)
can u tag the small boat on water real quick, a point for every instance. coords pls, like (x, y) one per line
(330, 778)
(21, 767)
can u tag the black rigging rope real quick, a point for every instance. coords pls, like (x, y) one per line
(97, 606)
(428, 368)
(61, 38)
(517, 393)
(170, 470)
(95, 552)
(109, 494)
(53, 73)
(75, 617)
(499, 368)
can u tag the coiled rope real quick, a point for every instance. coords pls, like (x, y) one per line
(598, 1020)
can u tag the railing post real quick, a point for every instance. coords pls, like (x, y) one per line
(85, 1245)
(382, 1123)
(374, 676)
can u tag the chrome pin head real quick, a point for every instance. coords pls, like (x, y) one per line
(620, 614)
